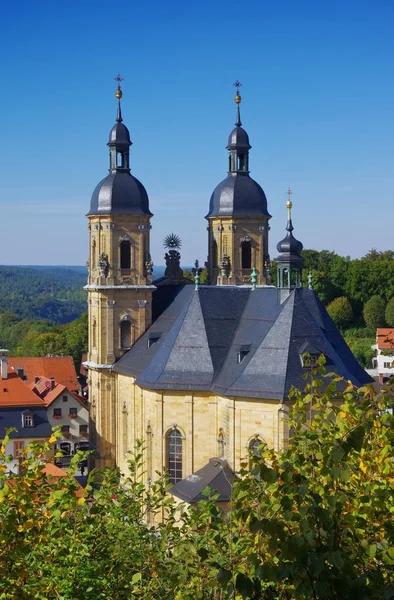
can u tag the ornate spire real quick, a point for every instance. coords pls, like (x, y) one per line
(237, 84)
(289, 206)
(289, 261)
(119, 95)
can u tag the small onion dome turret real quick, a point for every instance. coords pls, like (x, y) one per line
(289, 248)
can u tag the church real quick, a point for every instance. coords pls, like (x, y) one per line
(197, 371)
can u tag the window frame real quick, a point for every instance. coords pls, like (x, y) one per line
(174, 452)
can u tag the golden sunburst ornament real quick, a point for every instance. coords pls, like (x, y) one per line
(172, 241)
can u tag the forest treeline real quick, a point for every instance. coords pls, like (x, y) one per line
(52, 293)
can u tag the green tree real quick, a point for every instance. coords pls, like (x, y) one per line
(389, 312)
(341, 312)
(374, 312)
(313, 520)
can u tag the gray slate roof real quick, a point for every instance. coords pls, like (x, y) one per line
(195, 343)
(12, 417)
(216, 475)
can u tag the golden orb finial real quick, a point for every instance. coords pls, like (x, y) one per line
(118, 92)
(289, 203)
(237, 98)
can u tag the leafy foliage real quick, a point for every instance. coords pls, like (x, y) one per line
(341, 312)
(374, 312)
(313, 520)
(389, 313)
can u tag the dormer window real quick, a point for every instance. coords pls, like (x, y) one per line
(243, 353)
(310, 355)
(153, 338)
(27, 419)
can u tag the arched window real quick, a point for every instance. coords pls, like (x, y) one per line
(174, 455)
(214, 254)
(119, 159)
(125, 255)
(246, 254)
(255, 449)
(125, 334)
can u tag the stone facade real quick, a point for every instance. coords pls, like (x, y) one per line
(119, 308)
(210, 425)
(226, 237)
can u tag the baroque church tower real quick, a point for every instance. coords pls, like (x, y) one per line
(238, 217)
(119, 281)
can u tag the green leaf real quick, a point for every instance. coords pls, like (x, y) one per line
(356, 438)
(371, 550)
(136, 578)
(224, 576)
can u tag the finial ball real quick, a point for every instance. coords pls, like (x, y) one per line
(237, 99)
(289, 204)
(118, 93)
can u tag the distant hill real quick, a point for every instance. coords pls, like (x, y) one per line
(53, 293)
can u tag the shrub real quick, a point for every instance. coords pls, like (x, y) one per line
(341, 312)
(373, 312)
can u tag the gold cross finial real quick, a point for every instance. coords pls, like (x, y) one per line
(237, 84)
(118, 92)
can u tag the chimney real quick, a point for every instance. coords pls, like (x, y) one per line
(53, 383)
(4, 363)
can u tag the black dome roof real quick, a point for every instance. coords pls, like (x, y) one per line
(119, 136)
(289, 248)
(119, 193)
(238, 195)
(239, 139)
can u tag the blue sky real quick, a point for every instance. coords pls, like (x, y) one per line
(317, 104)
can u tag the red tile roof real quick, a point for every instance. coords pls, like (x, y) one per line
(61, 368)
(13, 392)
(385, 338)
(48, 391)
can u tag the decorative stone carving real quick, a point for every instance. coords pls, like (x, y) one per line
(173, 257)
(246, 238)
(219, 228)
(124, 238)
(127, 317)
(141, 227)
(108, 386)
(110, 225)
(232, 227)
(149, 269)
(225, 265)
(103, 264)
(98, 226)
(142, 303)
(111, 303)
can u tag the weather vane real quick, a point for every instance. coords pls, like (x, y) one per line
(118, 78)
(289, 193)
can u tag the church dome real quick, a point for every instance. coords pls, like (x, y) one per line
(289, 245)
(119, 135)
(119, 193)
(238, 195)
(239, 139)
